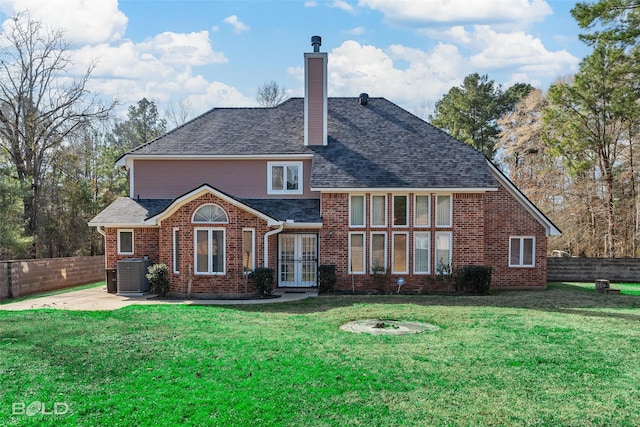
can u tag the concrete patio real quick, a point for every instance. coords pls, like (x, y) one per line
(99, 299)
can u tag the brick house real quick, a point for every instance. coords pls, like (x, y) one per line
(354, 182)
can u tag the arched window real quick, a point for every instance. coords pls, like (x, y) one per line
(210, 214)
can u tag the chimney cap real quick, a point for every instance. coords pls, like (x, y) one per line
(316, 42)
(363, 99)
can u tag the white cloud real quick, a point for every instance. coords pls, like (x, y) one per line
(310, 3)
(342, 5)
(460, 11)
(354, 68)
(83, 21)
(518, 51)
(182, 48)
(218, 94)
(357, 31)
(238, 26)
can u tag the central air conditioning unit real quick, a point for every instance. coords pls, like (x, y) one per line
(132, 277)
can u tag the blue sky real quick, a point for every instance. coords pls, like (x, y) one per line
(212, 53)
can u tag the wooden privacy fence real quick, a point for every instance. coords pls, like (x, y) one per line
(625, 270)
(24, 277)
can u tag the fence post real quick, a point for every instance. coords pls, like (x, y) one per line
(9, 281)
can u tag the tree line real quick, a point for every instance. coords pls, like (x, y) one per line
(573, 150)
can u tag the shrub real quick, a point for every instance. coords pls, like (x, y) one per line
(380, 277)
(474, 279)
(158, 276)
(263, 279)
(327, 278)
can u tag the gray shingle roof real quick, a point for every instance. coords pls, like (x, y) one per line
(131, 212)
(376, 146)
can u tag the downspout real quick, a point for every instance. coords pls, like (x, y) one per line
(100, 230)
(266, 242)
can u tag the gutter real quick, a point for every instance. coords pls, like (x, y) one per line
(266, 241)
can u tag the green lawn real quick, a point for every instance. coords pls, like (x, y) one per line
(562, 357)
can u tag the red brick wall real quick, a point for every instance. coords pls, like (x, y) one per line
(505, 217)
(145, 243)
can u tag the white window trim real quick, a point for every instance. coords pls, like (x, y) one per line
(521, 254)
(406, 252)
(428, 235)
(415, 211)
(450, 223)
(371, 249)
(253, 248)
(386, 211)
(127, 230)
(209, 251)
(364, 211)
(406, 213)
(300, 189)
(449, 235)
(364, 253)
(175, 239)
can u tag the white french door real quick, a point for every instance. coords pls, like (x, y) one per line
(297, 260)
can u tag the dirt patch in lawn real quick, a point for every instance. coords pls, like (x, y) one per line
(387, 327)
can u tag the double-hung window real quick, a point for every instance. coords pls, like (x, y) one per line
(422, 209)
(378, 252)
(284, 178)
(421, 252)
(356, 211)
(443, 253)
(248, 250)
(379, 211)
(522, 251)
(125, 242)
(400, 211)
(443, 211)
(400, 249)
(356, 253)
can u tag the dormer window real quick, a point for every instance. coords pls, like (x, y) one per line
(284, 178)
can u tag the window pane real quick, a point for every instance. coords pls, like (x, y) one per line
(422, 210)
(126, 242)
(292, 177)
(399, 253)
(357, 253)
(378, 210)
(378, 251)
(210, 214)
(443, 211)
(277, 178)
(515, 251)
(357, 211)
(217, 251)
(421, 243)
(176, 251)
(527, 253)
(400, 210)
(202, 248)
(247, 250)
(443, 253)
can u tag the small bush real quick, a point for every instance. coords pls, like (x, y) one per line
(474, 279)
(158, 276)
(263, 279)
(327, 278)
(380, 277)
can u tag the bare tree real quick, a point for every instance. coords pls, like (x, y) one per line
(271, 94)
(179, 113)
(41, 103)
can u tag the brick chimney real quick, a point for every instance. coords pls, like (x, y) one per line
(315, 95)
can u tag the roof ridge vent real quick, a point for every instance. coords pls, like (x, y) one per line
(363, 99)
